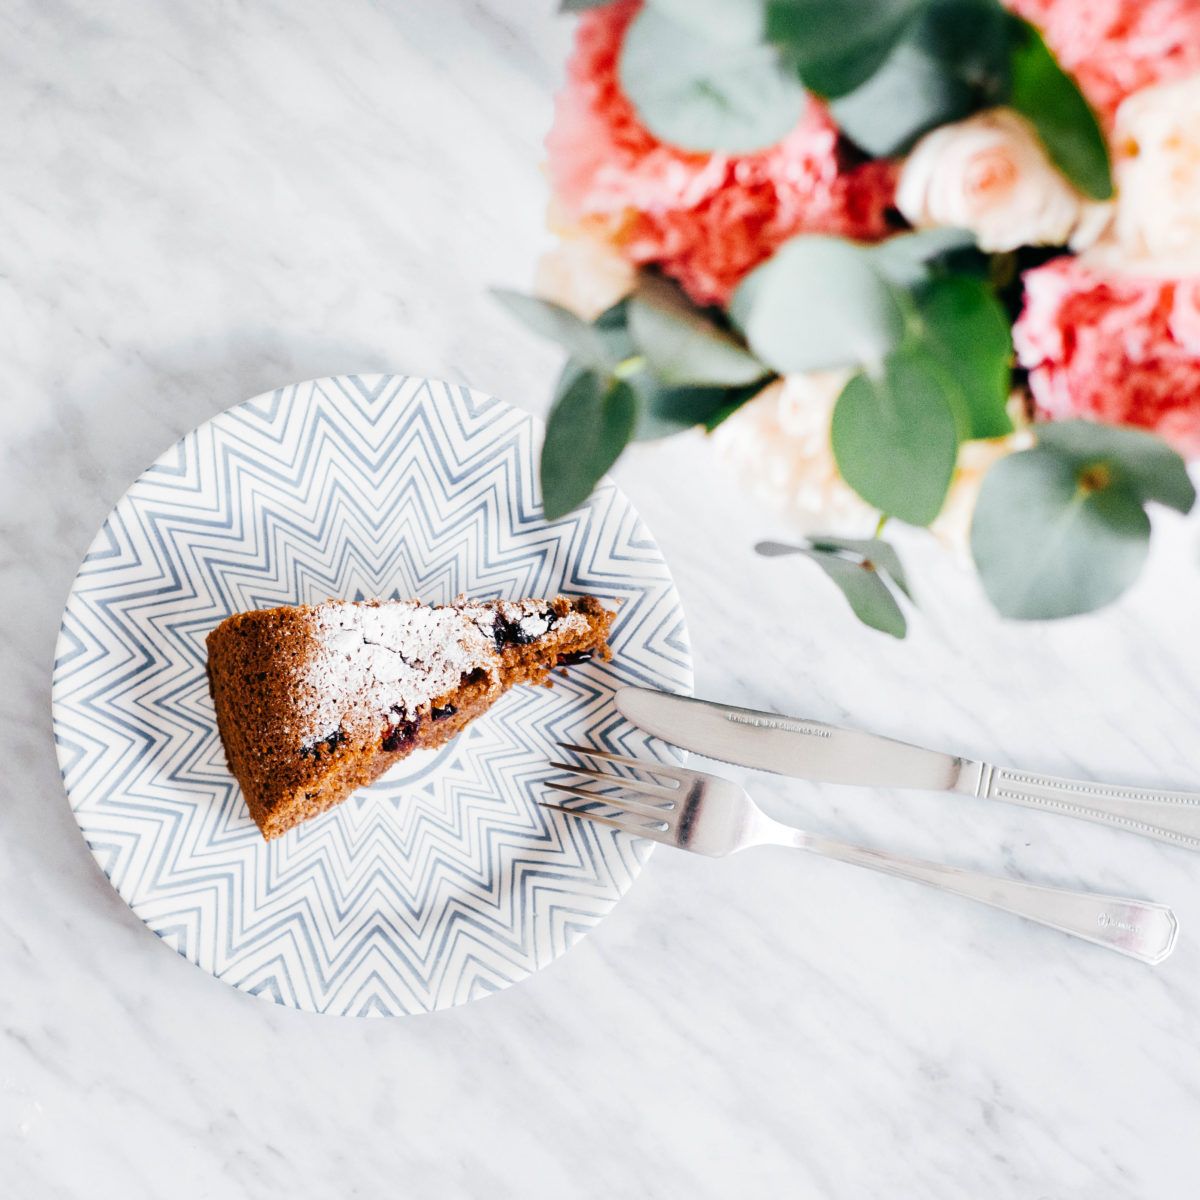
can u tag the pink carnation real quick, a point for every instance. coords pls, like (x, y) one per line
(705, 219)
(1117, 47)
(1113, 348)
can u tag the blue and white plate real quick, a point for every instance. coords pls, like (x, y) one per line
(444, 881)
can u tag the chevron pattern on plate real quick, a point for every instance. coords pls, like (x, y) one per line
(444, 881)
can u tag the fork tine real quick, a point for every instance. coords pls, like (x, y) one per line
(637, 807)
(637, 785)
(624, 826)
(679, 774)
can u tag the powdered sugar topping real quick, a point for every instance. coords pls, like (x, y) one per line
(366, 661)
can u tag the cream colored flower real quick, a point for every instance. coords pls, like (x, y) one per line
(584, 273)
(975, 459)
(778, 448)
(1156, 141)
(990, 174)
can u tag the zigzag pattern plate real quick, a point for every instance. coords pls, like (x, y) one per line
(443, 882)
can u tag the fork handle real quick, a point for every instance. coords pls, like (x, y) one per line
(1137, 928)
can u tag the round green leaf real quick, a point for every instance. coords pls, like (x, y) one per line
(682, 345)
(1047, 547)
(704, 94)
(967, 329)
(818, 302)
(907, 259)
(588, 427)
(1132, 459)
(1065, 122)
(952, 60)
(895, 438)
(837, 46)
(729, 22)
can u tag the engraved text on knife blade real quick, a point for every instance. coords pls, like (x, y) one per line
(766, 723)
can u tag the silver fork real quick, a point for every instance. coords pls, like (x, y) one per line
(710, 815)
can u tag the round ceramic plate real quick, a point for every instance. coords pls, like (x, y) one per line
(445, 880)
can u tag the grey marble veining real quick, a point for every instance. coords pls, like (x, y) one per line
(199, 202)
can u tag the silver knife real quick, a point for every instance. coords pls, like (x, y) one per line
(829, 754)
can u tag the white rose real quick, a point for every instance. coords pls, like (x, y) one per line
(777, 446)
(1156, 140)
(990, 174)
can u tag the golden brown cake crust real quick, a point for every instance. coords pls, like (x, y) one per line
(314, 702)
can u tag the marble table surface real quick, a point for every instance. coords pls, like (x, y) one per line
(201, 201)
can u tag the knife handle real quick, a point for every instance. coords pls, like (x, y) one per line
(1172, 817)
(1137, 928)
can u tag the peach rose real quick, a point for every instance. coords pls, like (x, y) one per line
(990, 174)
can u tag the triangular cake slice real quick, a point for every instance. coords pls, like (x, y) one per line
(316, 701)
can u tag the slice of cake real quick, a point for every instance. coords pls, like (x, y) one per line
(314, 702)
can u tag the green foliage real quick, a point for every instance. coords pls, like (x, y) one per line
(683, 345)
(895, 434)
(1051, 99)
(868, 572)
(730, 75)
(952, 61)
(967, 330)
(588, 427)
(648, 367)
(582, 341)
(1062, 529)
(702, 93)
(911, 259)
(837, 47)
(818, 302)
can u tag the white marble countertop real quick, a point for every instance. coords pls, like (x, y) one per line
(199, 202)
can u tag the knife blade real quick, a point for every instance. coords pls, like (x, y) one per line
(787, 745)
(825, 753)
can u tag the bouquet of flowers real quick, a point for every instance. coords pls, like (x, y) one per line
(931, 261)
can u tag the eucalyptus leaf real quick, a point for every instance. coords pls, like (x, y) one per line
(967, 329)
(704, 94)
(837, 46)
(664, 410)
(908, 259)
(573, 6)
(952, 60)
(1047, 547)
(865, 591)
(729, 22)
(588, 427)
(880, 554)
(682, 345)
(1051, 99)
(1131, 459)
(577, 337)
(818, 302)
(612, 327)
(895, 437)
